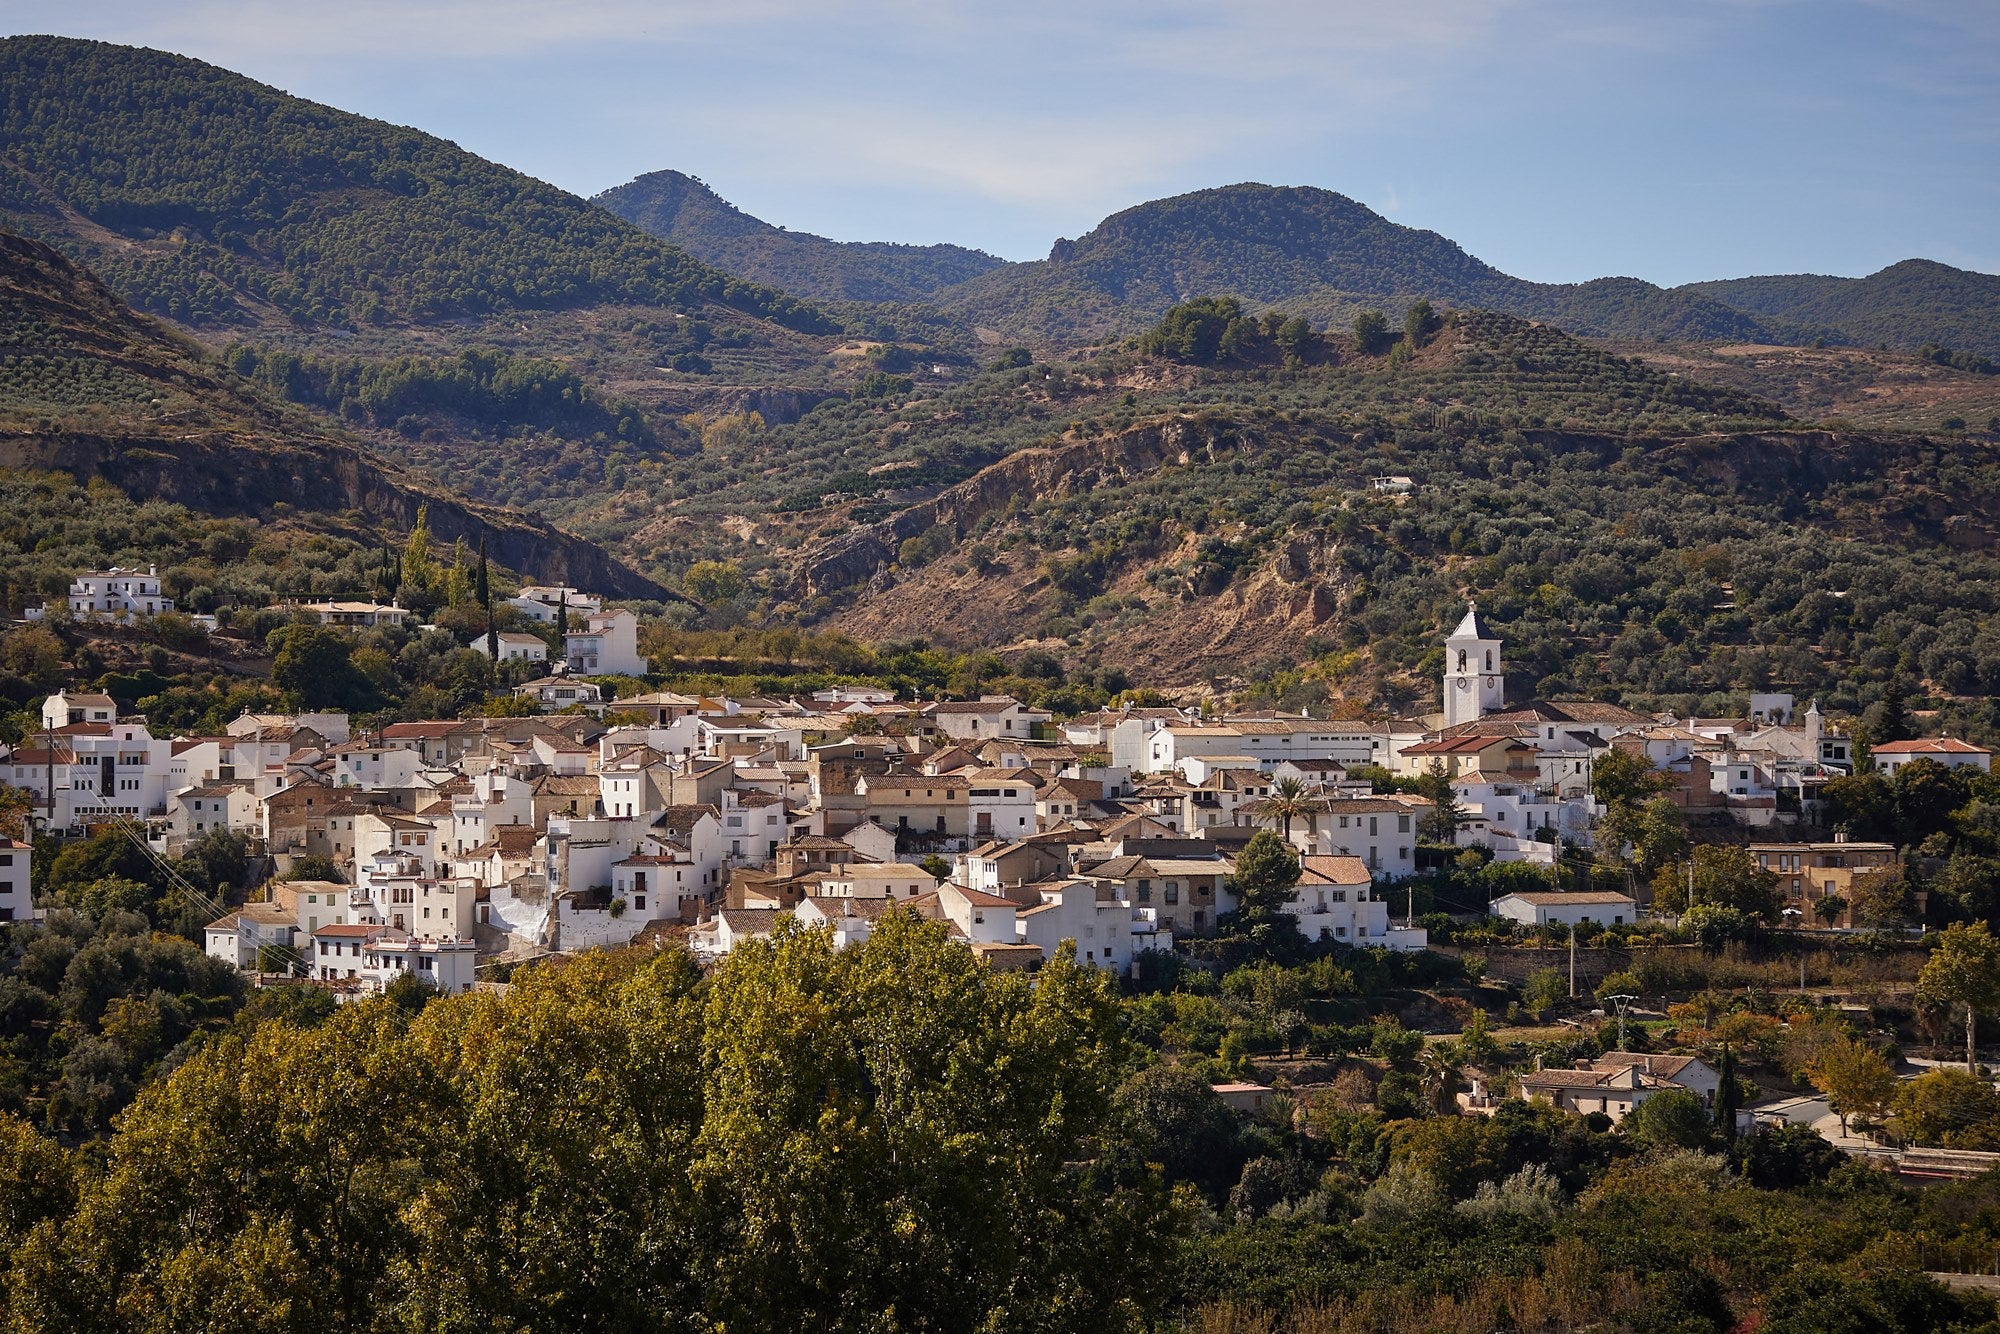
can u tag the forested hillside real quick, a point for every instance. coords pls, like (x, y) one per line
(91, 389)
(685, 211)
(1905, 305)
(208, 198)
(1632, 532)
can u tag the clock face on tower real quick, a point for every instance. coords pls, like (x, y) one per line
(1465, 683)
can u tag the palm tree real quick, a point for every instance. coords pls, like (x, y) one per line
(1288, 800)
(1442, 1062)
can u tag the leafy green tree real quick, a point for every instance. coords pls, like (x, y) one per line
(1371, 333)
(1947, 1107)
(1888, 719)
(1545, 989)
(1172, 1117)
(1266, 871)
(714, 583)
(1963, 970)
(1673, 1118)
(1659, 835)
(1420, 321)
(1862, 804)
(37, 1183)
(1623, 778)
(1724, 876)
(1886, 896)
(313, 866)
(314, 667)
(1204, 331)
(1728, 1095)
(1787, 1157)
(1926, 795)
(1856, 1078)
(420, 572)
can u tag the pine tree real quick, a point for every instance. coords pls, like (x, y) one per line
(562, 616)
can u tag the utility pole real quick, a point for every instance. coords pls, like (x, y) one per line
(1796, 918)
(1619, 1003)
(1572, 960)
(49, 755)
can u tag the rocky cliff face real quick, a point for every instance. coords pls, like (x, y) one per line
(218, 474)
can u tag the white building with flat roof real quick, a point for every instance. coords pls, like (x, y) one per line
(606, 645)
(117, 594)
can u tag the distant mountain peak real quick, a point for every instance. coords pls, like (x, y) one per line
(685, 210)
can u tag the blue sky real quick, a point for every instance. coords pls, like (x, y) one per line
(1559, 140)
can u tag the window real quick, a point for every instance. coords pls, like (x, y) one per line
(1402, 824)
(1173, 891)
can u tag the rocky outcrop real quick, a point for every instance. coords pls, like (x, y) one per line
(220, 474)
(1055, 470)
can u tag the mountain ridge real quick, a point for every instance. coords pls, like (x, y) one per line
(1308, 250)
(229, 199)
(686, 211)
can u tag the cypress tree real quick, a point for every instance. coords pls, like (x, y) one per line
(1727, 1096)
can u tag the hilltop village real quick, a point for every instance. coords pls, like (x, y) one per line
(438, 848)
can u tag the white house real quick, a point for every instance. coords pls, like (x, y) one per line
(987, 717)
(543, 603)
(63, 708)
(1381, 831)
(212, 806)
(1335, 898)
(117, 594)
(876, 880)
(555, 693)
(17, 903)
(607, 645)
(985, 919)
(1266, 742)
(730, 927)
(1554, 909)
(356, 615)
(444, 963)
(1000, 804)
(239, 937)
(100, 770)
(1102, 928)
(334, 953)
(514, 646)
(1948, 751)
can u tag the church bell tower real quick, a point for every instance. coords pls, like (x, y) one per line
(1474, 684)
